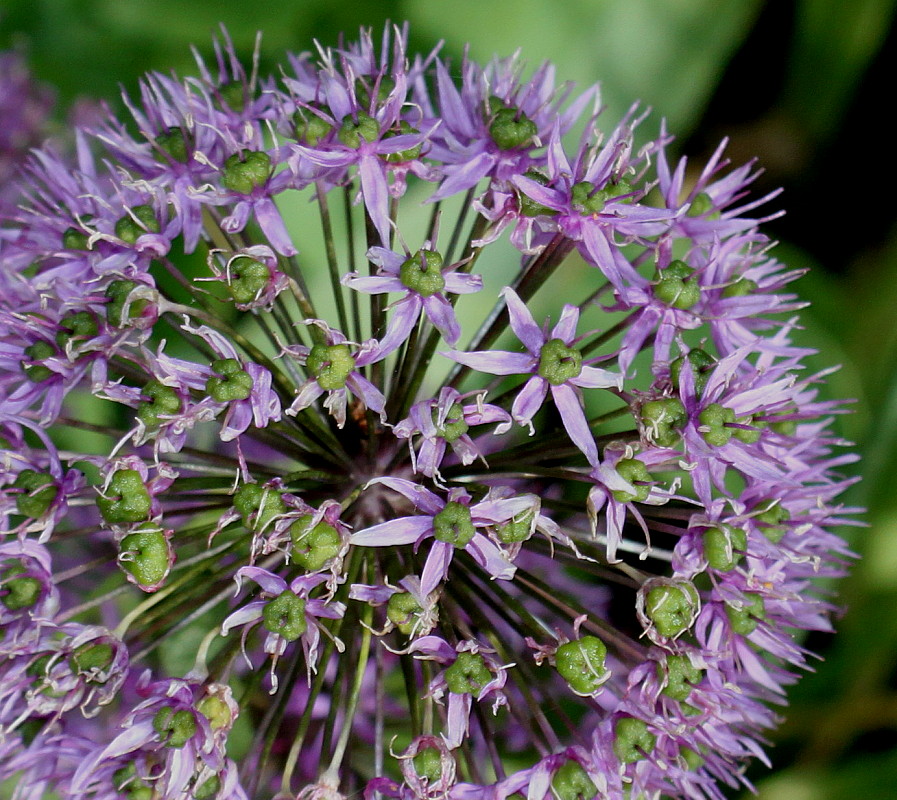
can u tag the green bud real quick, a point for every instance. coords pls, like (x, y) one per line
(385, 86)
(173, 143)
(572, 782)
(422, 273)
(693, 760)
(232, 382)
(163, 401)
(37, 352)
(454, 426)
(586, 199)
(145, 554)
(264, 503)
(89, 658)
(713, 421)
(247, 278)
(745, 618)
(517, 529)
(559, 363)
(175, 728)
(681, 676)
(633, 739)
(403, 611)
(117, 294)
(285, 616)
(676, 287)
(352, 133)
(671, 608)
(633, 471)
(663, 420)
(740, 288)
(454, 524)
(208, 789)
(37, 493)
(785, 427)
(130, 229)
(233, 95)
(428, 764)
(78, 324)
(17, 593)
(245, 171)
(330, 365)
(126, 782)
(511, 129)
(402, 156)
(724, 546)
(216, 711)
(770, 521)
(468, 674)
(74, 239)
(581, 664)
(309, 128)
(748, 435)
(528, 206)
(702, 204)
(125, 499)
(313, 547)
(701, 363)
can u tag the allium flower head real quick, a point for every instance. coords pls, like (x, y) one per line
(303, 522)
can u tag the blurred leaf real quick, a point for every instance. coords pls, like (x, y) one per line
(834, 43)
(667, 53)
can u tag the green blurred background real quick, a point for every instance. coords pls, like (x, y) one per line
(801, 84)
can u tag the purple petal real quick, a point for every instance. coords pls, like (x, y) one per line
(442, 315)
(522, 322)
(490, 557)
(404, 530)
(436, 566)
(376, 194)
(423, 499)
(569, 404)
(529, 400)
(566, 325)
(495, 362)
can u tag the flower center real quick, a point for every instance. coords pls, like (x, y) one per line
(330, 365)
(422, 273)
(559, 363)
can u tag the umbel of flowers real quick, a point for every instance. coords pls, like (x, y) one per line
(427, 515)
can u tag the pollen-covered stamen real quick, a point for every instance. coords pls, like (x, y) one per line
(125, 498)
(330, 365)
(677, 287)
(247, 277)
(510, 128)
(140, 220)
(632, 739)
(572, 782)
(454, 524)
(230, 383)
(724, 546)
(662, 420)
(285, 616)
(701, 364)
(246, 171)
(581, 664)
(559, 363)
(37, 491)
(314, 546)
(34, 370)
(422, 273)
(175, 727)
(162, 402)
(468, 674)
(354, 132)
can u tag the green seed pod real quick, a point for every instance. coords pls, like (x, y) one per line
(633, 471)
(173, 144)
(17, 593)
(740, 288)
(633, 739)
(572, 782)
(454, 426)
(162, 401)
(91, 657)
(586, 199)
(671, 608)
(713, 427)
(330, 365)
(701, 204)
(770, 520)
(428, 764)
(468, 674)
(352, 133)
(528, 206)
(511, 129)
(309, 128)
(676, 287)
(744, 619)
(680, 675)
(701, 363)
(258, 505)
(125, 499)
(724, 546)
(119, 296)
(402, 156)
(285, 616)
(79, 325)
(454, 524)
(216, 711)
(313, 547)
(74, 239)
(422, 273)
(232, 382)
(247, 278)
(175, 728)
(403, 611)
(37, 492)
(518, 529)
(581, 664)
(35, 353)
(130, 229)
(146, 555)
(245, 171)
(662, 420)
(559, 363)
